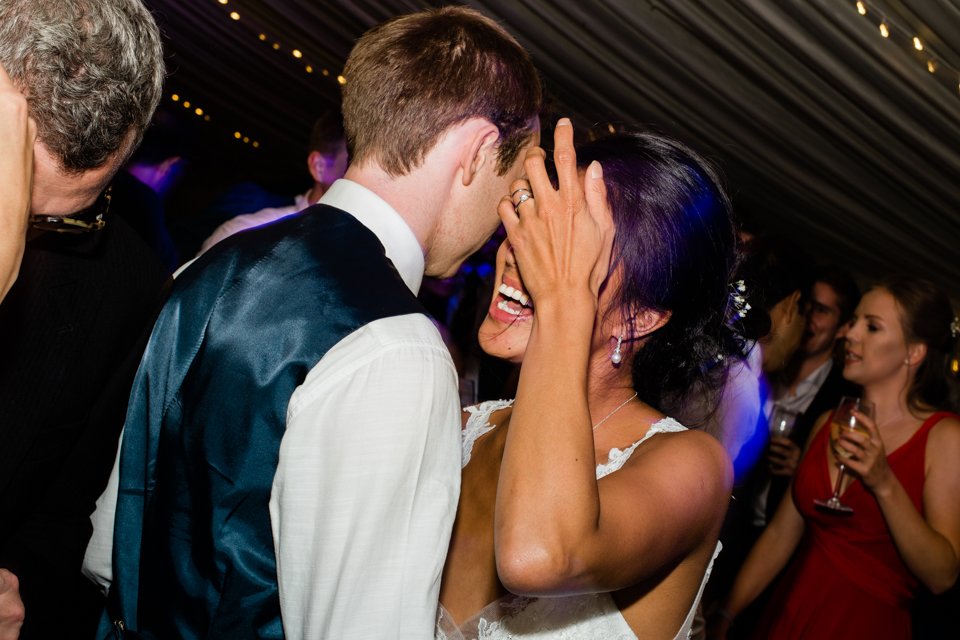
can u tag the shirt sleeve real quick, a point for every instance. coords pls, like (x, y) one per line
(98, 559)
(367, 484)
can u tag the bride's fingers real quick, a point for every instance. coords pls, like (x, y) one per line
(534, 167)
(517, 187)
(595, 193)
(565, 158)
(521, 195)
(508, 214)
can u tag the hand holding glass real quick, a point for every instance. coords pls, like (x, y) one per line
(843, 419)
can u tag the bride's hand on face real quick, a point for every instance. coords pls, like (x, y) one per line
(562, 238)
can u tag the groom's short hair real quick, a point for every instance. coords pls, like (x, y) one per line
(411, 78)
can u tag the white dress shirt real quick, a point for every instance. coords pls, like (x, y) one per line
(366, 488)
(807, 389)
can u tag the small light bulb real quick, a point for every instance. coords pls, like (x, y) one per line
(341, 80)
(276, 46)
(223, 1)
(246, 139)
(931, 66)
(884, 31)
(175, 97)
(234, 15)
(325, 72)
(198, 111)
(917, 44)
(256, 145)
(262, 37)
(237, 135)
(611, 128)
(309, 69)
(206, 118)
(861, 9)
(297, 53)
(186, 104)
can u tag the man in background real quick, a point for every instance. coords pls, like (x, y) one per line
(326, 162)
(813, 383)
(70, 326)
(810, 384)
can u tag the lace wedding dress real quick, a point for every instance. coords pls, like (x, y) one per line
(583, 617)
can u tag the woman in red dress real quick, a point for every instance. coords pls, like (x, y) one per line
(855, 576)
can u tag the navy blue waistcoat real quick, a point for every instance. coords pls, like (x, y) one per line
(193, 550)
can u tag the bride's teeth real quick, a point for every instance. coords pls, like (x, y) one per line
(503, 306)
(515, 294)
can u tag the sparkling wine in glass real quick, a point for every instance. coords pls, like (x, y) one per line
(843, 420)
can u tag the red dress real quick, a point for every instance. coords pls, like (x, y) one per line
(847, 579)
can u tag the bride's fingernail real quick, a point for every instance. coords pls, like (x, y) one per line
(563, 122)
(596, 171)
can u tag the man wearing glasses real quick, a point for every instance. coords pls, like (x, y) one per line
(71, 324)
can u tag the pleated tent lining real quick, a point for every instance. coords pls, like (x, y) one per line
(825, 130)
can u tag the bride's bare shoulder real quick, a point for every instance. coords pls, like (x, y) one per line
(691, 458)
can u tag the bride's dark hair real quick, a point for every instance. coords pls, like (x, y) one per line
(675, 247)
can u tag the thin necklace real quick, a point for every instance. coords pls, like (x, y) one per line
(625, 402)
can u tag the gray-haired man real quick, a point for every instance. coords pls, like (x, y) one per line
(92, 73)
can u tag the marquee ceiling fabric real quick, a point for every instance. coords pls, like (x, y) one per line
(826, 130)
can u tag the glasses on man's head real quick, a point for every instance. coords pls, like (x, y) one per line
(90, 219)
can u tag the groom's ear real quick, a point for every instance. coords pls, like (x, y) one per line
(480, 149)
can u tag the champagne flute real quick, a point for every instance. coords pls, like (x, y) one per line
(842, 420)
(782, 421)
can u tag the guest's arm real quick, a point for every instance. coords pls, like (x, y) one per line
(929, 543)
(17, 134)
(768, 556)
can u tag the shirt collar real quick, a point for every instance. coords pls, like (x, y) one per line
(383, 220)
(806, 390)
(817, 376)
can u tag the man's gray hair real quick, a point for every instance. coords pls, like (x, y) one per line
(92, 72)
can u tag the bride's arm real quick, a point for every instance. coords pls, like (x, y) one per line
(559, 530)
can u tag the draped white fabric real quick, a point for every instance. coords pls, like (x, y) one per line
(825, 130)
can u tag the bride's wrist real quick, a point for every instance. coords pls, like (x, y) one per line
(566, 304)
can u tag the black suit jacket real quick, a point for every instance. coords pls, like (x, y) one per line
(70, 339)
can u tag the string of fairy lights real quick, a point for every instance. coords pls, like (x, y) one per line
(275, 44)
(887, 28)
(296, 55)
(892, 30)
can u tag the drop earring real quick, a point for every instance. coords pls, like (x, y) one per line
(617, 357)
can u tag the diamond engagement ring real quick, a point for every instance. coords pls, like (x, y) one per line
(523, 198)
